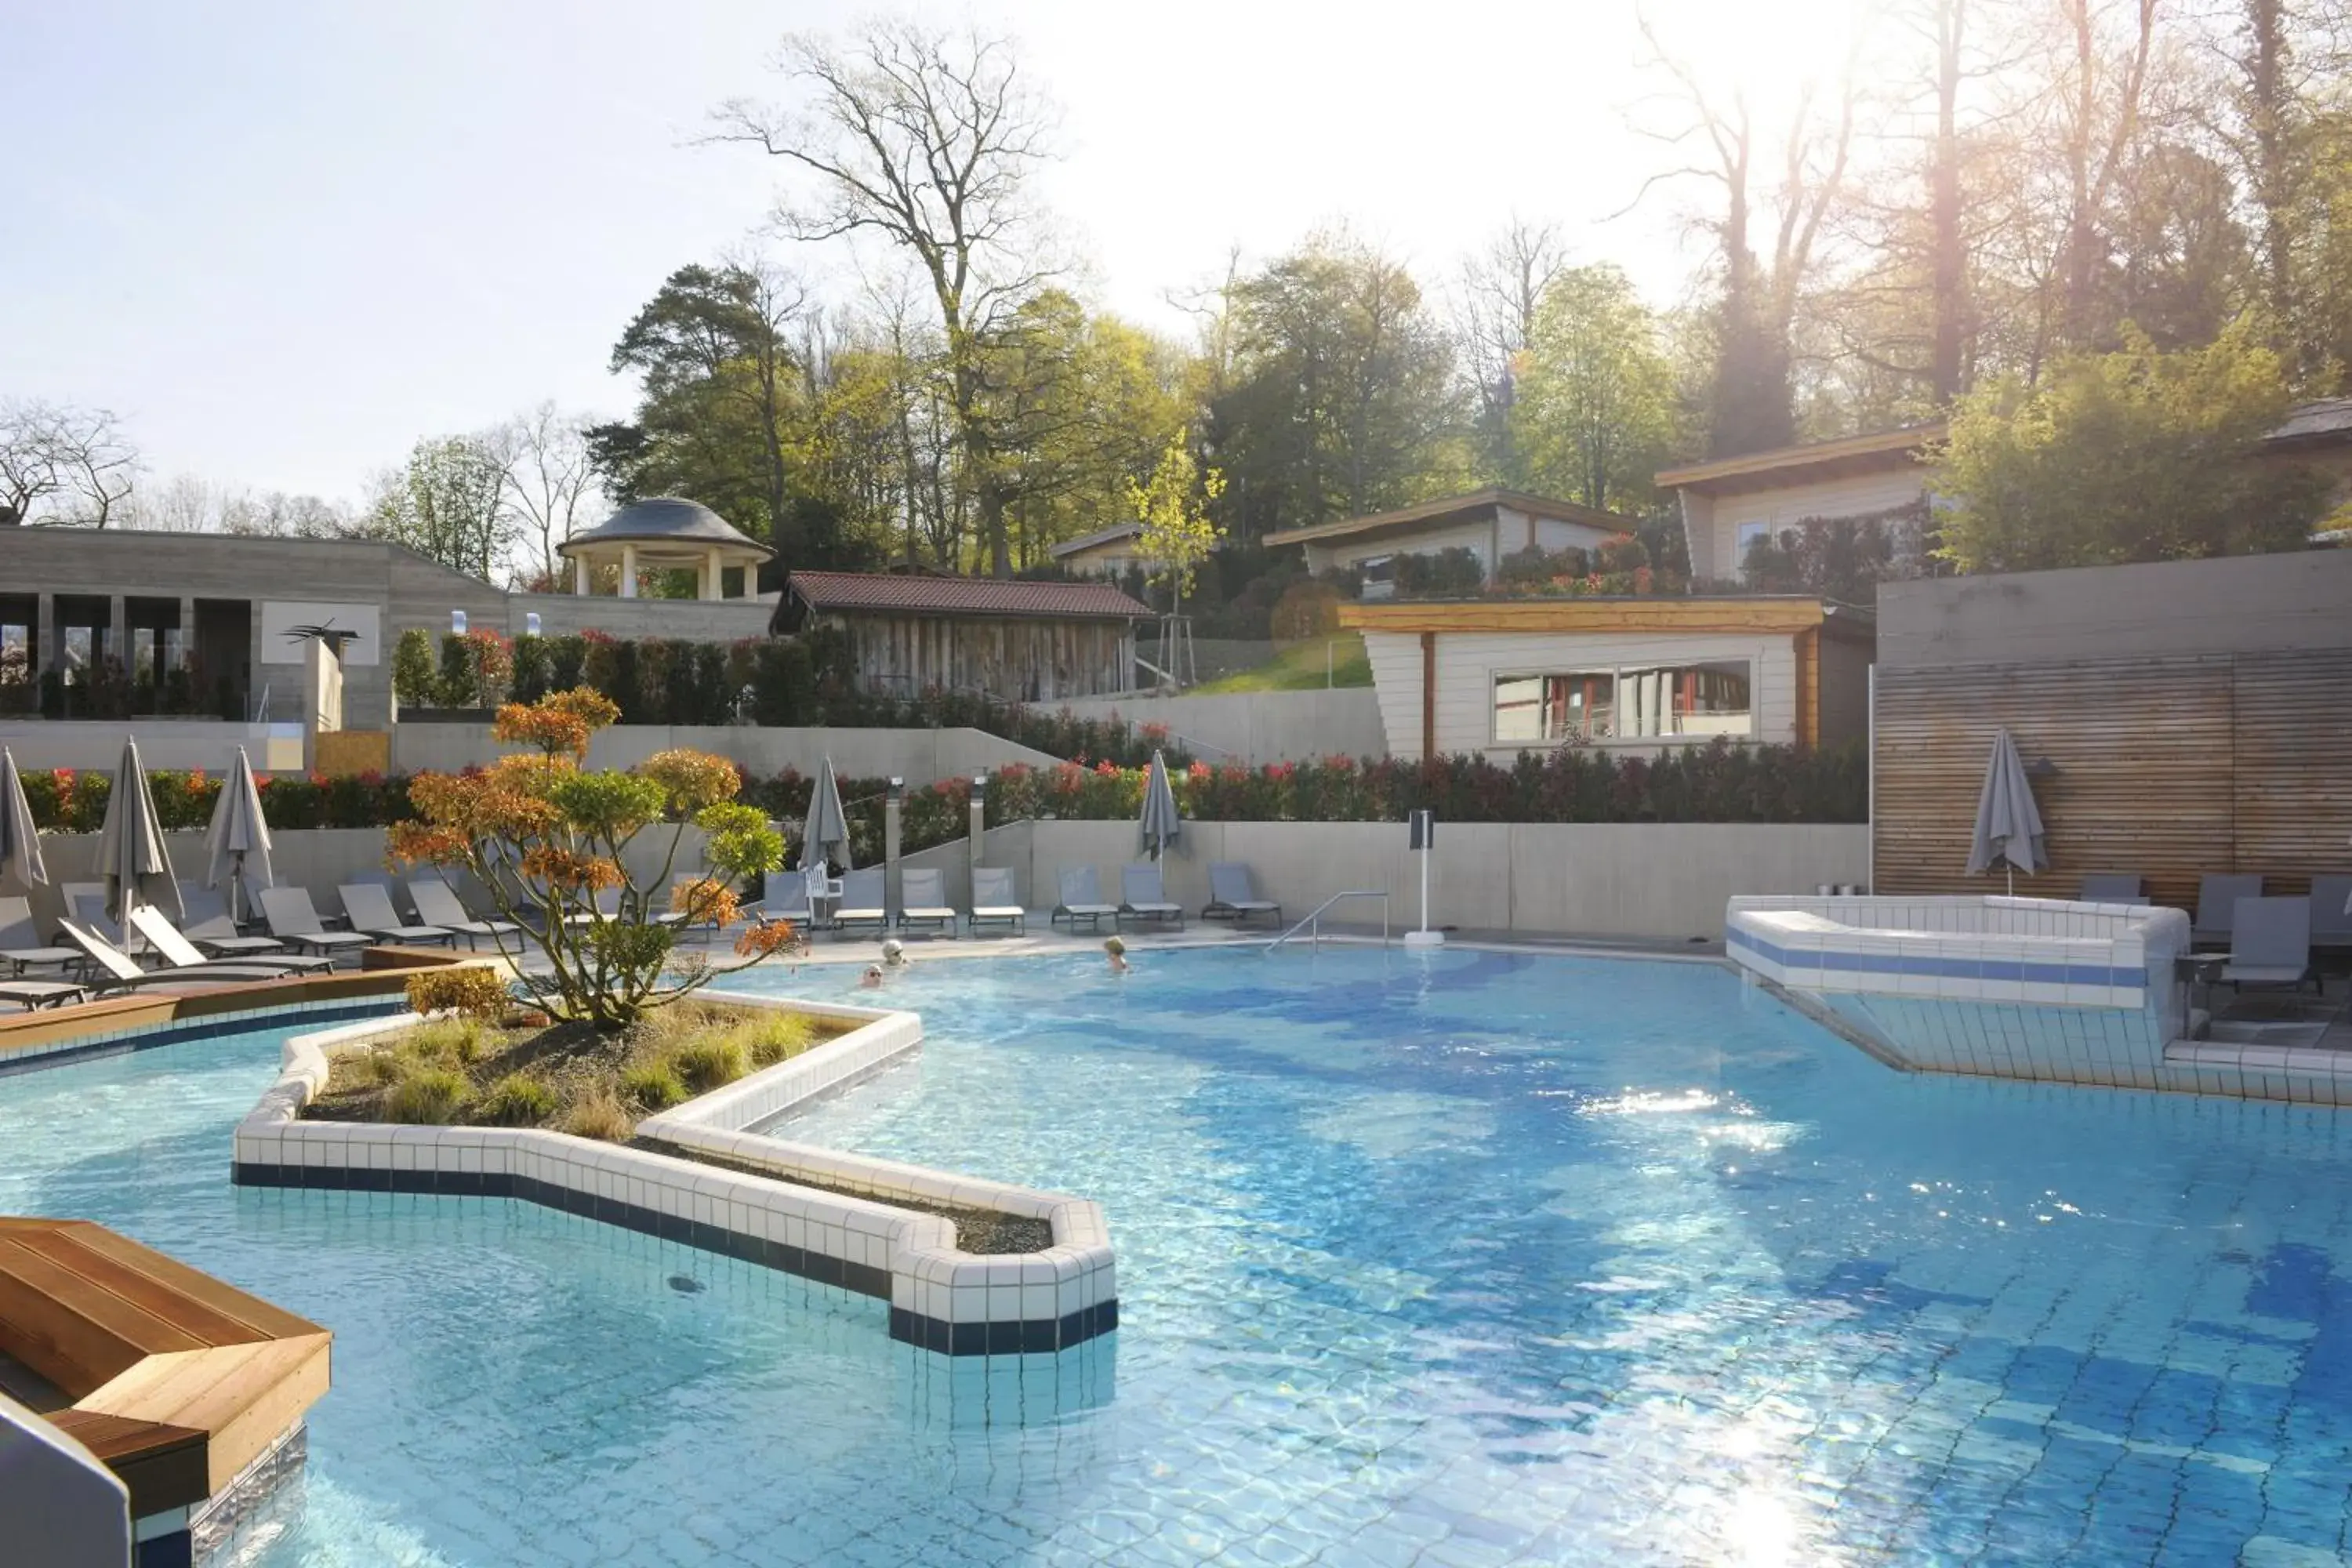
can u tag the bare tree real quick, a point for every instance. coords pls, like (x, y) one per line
(67, 464)
(1495, 317)
(926, 139)
(547, 479)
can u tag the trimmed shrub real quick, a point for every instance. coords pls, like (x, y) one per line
(413, 678)
(534, 669)
(428, 1097)
(447, 1042)
(517, 1099)
(471, 991)
(601, 1117)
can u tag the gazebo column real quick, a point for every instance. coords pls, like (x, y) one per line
(713, 581)
(628, 571)
(581, 576)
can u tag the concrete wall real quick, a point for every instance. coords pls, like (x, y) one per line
(702, 620)
(207, 743)
(918, 756)
(2245, 604)
(1662, 880)
(1259, 726)
(62, 1508)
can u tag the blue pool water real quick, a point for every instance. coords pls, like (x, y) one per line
(1444, 1260)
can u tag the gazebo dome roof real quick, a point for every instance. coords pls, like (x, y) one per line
(665, 519)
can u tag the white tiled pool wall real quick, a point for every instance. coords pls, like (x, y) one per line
(940, 1298)
(140, 1037)
(2009, 987)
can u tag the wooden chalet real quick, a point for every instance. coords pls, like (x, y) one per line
(1024, 642)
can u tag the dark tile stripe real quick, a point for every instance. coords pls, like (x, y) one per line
(858, 1279)
(1803, 958)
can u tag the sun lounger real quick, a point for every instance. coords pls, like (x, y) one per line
(1144, 897)
(2113, 887)
(2217, 905)
(294, 919)
(2269, 944)
(2331, 912)
(861, 900)
(437, 904)
(1232, 896)
(1082, 899)
(174, 947)
(21, 946)
(122, 972)
(368, 906)
(31, 993)
(785, 895)
(205, 922)
(923, 900)
(86, 904)
(993, 901)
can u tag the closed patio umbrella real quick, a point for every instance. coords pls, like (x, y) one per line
(238, 838)
(131, 854)
(2009, 824)
(826, 834)
(1160, 823)
(20, 846)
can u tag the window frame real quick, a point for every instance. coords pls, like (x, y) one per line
(1616, 669)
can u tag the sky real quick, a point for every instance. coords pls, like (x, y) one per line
(282, 242)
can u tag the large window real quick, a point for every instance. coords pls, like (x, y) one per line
(1626, 702)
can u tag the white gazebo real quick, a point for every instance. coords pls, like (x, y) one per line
(666, 532)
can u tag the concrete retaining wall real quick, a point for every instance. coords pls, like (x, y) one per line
(1636, 880)
(1259, 726)
(918, 756)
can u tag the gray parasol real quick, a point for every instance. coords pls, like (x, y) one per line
(826, 835)
(2009, 824)
(20, 846)
(1160, 822)
(238, 838)
(130, 853)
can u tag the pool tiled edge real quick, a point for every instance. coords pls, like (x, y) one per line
(941, 1299)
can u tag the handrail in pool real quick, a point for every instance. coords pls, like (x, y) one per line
(1315, 918)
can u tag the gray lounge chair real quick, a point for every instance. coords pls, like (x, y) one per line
(294, 919)
(437, 904)
(785, 895)
(122, 972)
(168, 942)
(2217, 904)
(205, 922)
(993, 901)
(32, 993)
(2331, 912)
(2113, 887)
(1232, 896)
(2271, 945)
(85, 905)
(1143, 896)
(21, 946)
(861, 900)
(1082, 899)
(368, 906)
(923, 899)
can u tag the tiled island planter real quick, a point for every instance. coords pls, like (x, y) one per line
(941, 1298)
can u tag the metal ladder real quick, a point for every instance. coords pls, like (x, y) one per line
(1313, 923)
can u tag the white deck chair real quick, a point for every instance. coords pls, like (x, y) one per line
(173, 946)
(437, 904)
(861, 900)
(1082, 899)
(1233, 895)
(993, 901)
(785, 895)
(2269, 944)
(294, 919)
(368, 906)
(206, 923)
(86, 903)
(20, 940)
(923, 899)
(1143, 896)
(122, 972)
(32, 993)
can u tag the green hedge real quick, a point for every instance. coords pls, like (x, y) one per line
(64, 801)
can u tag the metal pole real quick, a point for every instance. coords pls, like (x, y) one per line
(1870, 872)
(890, 873)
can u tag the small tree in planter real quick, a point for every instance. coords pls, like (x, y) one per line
(545, 837)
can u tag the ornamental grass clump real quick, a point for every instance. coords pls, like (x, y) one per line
(517, 1099)
(710, 1063)
(544, 836)
(602, 1116)
(774, 1039)
(655, 1086)
(427, 1097)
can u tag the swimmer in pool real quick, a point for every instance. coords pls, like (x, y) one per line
(872, 979)
(1118, 952)
(893, 956)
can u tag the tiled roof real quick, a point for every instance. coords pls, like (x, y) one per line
(1117, 531)
(2328, 419)
(875, 591)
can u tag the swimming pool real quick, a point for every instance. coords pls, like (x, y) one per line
(1448, 1258)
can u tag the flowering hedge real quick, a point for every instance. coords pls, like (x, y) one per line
(1718, 781)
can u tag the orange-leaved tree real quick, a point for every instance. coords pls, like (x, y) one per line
(544, 836)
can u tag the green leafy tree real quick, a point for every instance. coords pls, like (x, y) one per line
(1177, 534)
(446, 503)
(1595, 409)
(2141, 455)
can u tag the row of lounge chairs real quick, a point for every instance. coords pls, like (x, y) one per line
(1143, 898)
(2269, 941)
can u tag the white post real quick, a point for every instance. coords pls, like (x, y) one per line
(580, 577)
(628, 571)
(1424, 839)
(713, 574)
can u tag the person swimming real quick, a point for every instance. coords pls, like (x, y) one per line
(894, 955)
(872, 979)
(1118, 952)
